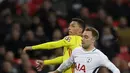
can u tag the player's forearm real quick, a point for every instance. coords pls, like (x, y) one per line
(116, 71)
(49, 45)
(64, 65)
(54, 61)
(112, 67)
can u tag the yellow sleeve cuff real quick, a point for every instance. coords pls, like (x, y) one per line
(54, 61)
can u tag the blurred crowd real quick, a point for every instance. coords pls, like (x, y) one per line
(31, 22)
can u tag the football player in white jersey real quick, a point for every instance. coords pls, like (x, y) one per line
(87, 58)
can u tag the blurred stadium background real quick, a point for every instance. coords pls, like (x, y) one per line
(31, 22)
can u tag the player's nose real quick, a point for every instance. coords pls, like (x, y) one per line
(68, 28)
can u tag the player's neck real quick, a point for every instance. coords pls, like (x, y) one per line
(79, 34)
(75, 34)
(91, 47)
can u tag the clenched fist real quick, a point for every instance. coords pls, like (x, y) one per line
(40, 65)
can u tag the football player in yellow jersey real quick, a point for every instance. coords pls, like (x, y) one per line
(69, 43)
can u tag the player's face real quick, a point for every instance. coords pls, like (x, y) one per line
(87, 39)
(74, 28)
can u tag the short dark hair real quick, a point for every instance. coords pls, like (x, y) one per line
(80, 22)
(94, 31)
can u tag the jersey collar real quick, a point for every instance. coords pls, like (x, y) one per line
(89, 51)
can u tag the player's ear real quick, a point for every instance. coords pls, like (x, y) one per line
(94, 39)
(81, 30)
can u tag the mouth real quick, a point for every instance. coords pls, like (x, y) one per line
(70, 32)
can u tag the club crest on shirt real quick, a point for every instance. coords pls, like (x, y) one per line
(89, 59)
(67, 38)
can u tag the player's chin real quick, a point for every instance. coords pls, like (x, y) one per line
(70, 33)
(83, 45)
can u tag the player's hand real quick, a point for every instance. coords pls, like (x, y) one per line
(27, 48)
(40, 65)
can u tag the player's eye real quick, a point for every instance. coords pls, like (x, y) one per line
(73, 25)
(86, 36)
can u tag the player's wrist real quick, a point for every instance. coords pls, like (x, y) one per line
(29, 48)
(43, 62)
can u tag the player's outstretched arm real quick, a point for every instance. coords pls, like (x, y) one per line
(41, 63)
(63, 66)
(48, 45)
(57, 60)
(108, 64)
(112, 67)
(66, 64)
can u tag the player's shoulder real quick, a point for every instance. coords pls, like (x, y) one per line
(77, 50)
(71, 37)
(97, 51)
(100, 53)
(67, 38)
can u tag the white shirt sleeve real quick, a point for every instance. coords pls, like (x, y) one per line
(107, 63)
(66, 64)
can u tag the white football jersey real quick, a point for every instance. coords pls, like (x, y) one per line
(88, 61)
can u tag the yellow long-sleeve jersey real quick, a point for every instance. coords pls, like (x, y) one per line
(69, 43)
